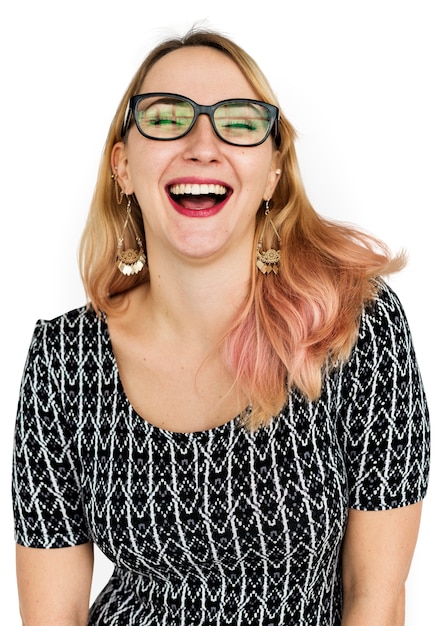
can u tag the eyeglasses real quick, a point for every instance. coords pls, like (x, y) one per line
(168, 116)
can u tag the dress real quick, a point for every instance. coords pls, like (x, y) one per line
(224, 526)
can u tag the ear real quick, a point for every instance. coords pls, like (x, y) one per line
(273, 175)
(120, 167)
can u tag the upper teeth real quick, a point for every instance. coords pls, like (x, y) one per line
(197, 190)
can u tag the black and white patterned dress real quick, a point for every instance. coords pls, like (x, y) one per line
(221, 527)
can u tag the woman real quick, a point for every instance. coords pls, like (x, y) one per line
(237, 418)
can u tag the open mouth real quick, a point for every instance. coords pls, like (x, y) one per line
(197, 197)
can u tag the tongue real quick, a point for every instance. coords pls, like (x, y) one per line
(197, 202)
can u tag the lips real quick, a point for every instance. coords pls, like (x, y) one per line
(193, 196)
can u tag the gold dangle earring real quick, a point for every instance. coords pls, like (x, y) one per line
(130, 261)
(268, 260)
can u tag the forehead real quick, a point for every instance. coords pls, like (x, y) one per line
(202, 73)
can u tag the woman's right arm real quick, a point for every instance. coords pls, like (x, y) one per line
(54, 576)
(54, 585)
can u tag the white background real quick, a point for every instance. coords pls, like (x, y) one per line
(364, 84)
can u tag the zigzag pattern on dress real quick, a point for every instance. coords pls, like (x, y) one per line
(222, 527)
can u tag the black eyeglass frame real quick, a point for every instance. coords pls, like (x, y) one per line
(201, 109)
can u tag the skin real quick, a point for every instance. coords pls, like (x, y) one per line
(145, 167)
(377, 553)
(54, 585)
(200, 266)
(200, 269)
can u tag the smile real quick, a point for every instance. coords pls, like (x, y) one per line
(204, 198)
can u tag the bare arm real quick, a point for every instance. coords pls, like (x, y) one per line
(377, 554)
(54, 585)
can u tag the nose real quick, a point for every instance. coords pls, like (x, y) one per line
(202, 143)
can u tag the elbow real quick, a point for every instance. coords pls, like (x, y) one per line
(52, 620)
(369, 609)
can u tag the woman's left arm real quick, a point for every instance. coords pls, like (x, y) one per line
(377, 553)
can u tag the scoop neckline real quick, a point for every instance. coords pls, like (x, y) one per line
(142, 422)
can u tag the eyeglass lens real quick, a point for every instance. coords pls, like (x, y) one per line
(238, 121)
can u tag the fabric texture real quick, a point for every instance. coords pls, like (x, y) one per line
(223, 526)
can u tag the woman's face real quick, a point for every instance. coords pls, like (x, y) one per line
(197, 228)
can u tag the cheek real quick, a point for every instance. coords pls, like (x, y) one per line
(145, 168)
(257, 162)
(257, 178)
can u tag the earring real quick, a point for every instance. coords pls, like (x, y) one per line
(130, 261)
(119, 193)
(268, 260)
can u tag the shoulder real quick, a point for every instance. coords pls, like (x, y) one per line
(56, 336)
(64, 351)
(386, 303)
(383, 319)
(79, 316)
(66, 324)
(383, 362)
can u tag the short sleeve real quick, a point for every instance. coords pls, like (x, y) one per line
(384, 417)
(47, 500)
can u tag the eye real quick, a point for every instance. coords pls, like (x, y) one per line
(163, 116)
(235, 123)
(157, 116)
(236, 118)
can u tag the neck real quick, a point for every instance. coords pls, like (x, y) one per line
(196, 302)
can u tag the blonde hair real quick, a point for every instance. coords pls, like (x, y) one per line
(294, 326)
